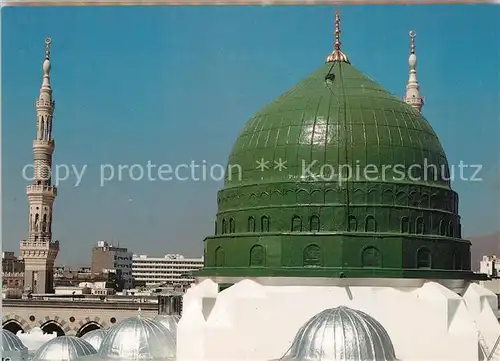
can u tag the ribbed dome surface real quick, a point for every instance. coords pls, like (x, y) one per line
(335, 116)
(169, 321)
(138, 338)
(341, 334)
(11, 342)
(95, 338)
(64, 348)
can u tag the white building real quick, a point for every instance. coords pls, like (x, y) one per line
(490, 265)
(172, 270)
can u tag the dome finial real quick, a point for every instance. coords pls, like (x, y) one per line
(412, 40)
(337, 54)
(48, 41)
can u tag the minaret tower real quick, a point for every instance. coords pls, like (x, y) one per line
(412, 97)
(39, 251)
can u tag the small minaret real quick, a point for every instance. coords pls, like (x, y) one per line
(412, 97)
(39, 250)
(337, 55)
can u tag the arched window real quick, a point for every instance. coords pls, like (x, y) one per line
(257, 256)
(232, 225)
(220, 257)
(251, 224)
(314, 224)
(370, 224)
(352, 224)
(312, 256)
(296, 224)
(224, 226)
(442, 228)
(264, 224)
(424, 259)
(451, 229)
(457, 260)
(405, 225)
(420, 226)
(371, 257)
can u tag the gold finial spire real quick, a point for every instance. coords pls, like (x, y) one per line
(48, 41)
(337, 54)
(412, 41)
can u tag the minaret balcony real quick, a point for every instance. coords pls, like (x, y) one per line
(42, 144)
(45, 103)
(41, 189)
(413, 101)
(28, 246)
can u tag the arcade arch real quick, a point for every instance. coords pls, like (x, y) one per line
(90, 326)
(12, 326)
(52, 327)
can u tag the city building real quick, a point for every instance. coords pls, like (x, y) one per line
(490, 265)
(110, 259)
(171, 270)
(314, 265)
(39, 251)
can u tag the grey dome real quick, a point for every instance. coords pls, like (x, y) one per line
(11, 342)
(138, 338)
(12, 347)
(64, 348)
(169, 321)
(341, 334)
(95, 337)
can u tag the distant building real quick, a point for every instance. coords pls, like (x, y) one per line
(107, 258)
(490, 265)
(12, 271)
(172, 270)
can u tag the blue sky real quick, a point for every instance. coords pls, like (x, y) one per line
(175, 84)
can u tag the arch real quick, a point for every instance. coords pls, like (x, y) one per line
(370, 224)
(424, 258)
(296, 224)
(405, 225)
(312, 256)
(13, 326)
(232, 225)
(352, 224)
(257, 256)
(388, 197)
(224, 226)
(89, 326)
(251, 224)
(442, 228)
(420, 226)
(371, 257)
(220, 257)
(52, 327)
(264, 224)
(451, 229)
(457, 260)
(314, 223)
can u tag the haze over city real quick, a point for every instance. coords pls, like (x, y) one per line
(173, 85)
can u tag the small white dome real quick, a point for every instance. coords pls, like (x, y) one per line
(341, 334)
(169, 321)
(64, 348)
(138, 338)
(95, 337)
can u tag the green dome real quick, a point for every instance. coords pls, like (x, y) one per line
(337, 178)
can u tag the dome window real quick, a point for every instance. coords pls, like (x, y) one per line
(352, 224)
(257, 256)
(232, 225)
(371, 257)
(296, 224)
(424, 259)
(370, 224)
(264, 224)
(314, 224)
(251, 224)
(312, 256)
(220, 257)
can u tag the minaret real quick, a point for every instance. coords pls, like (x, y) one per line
(39, 251)
(412, 97)
(337, 55)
